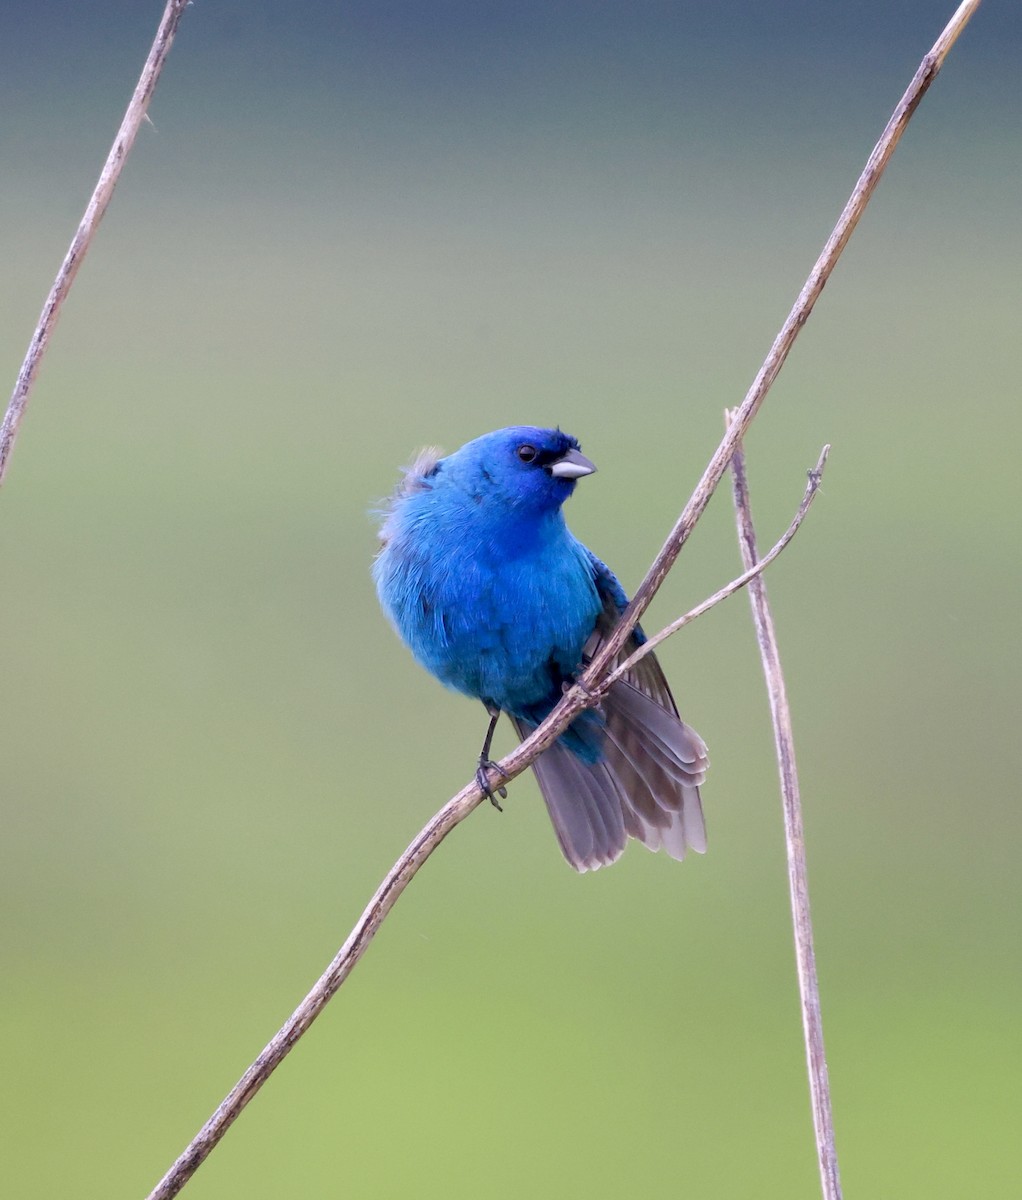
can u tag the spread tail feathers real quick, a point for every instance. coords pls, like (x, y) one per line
(645, 785)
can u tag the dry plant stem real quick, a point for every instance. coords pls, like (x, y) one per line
(97, 206)
(398, 878)
(798, 882)
(798, 316)
(585, 694)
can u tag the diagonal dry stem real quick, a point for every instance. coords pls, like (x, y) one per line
(821, 272)
(82, 239)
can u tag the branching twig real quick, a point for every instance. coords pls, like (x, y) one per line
(798, 882)
(400, 875)
(97, 206)
(757, 568)
(584, 695)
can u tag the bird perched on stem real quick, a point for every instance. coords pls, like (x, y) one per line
(483, 580)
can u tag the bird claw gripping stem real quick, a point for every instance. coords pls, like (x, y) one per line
(482, 779)
(593, 695)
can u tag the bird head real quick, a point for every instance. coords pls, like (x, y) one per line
(523, 467)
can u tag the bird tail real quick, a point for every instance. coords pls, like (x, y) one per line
(644, 785)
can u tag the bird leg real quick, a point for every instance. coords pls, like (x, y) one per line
(485, 763)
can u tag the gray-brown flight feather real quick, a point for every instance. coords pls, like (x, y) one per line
(646, 786)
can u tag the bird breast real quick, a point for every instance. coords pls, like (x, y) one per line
(502, 619)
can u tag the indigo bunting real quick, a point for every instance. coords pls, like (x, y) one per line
(481, 577)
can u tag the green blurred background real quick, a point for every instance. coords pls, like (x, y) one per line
(354, 229)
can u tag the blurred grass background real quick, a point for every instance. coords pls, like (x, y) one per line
(357, 229)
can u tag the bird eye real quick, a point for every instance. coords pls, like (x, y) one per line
(527, 453)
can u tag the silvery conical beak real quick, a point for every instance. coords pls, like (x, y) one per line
(571, 465)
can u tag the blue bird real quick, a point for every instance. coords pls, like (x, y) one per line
(483, 580)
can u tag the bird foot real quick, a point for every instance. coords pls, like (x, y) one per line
(595, 698)
(483, 780)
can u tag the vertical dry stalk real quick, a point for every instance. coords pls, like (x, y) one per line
(94, 211)
(798, 882)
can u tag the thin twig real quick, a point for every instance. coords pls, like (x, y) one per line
(94, 211)
(582, 696)
(798, 881)
(812, 487)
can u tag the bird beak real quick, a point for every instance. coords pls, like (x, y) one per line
(571, 465)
